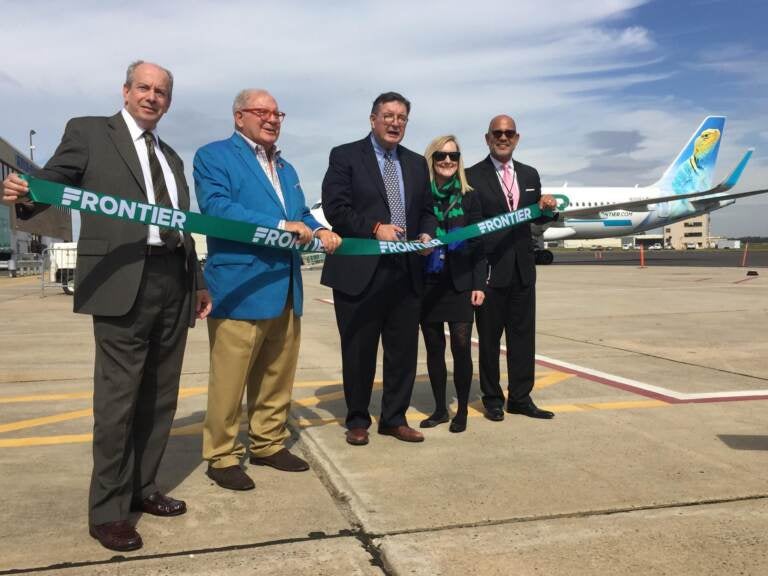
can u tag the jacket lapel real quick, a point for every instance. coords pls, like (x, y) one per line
(498, 198)
(178, 175)
(121, 138)
(372, 165)
(249, 158)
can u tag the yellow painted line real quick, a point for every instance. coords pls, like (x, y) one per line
(197, 427)
(45, 440)
(31, 423)
(45, 397)
(551, 379)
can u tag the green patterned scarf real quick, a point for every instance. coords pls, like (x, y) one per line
(447, 205)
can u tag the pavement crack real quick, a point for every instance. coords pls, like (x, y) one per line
(569, 515)
(120, 559)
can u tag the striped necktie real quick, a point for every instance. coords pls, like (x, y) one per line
(392, 185)
(170, 237)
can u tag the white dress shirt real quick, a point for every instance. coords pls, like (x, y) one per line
(140, 144)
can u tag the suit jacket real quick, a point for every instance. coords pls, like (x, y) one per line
(511, 251)
(467, 266)
(97, 153)
(249, 282)
(355, 199)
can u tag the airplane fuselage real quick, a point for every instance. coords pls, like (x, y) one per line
(620, 222)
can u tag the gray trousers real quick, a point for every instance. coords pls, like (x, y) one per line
(136, 384)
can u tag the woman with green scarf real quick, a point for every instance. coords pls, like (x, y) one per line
(454, 281)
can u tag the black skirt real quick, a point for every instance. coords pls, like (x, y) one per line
(441, 301)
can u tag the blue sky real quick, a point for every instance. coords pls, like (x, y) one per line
(604, 92)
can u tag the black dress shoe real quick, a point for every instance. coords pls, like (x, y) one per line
(494, 414)
(159, 504)
(119, 535)
(434, 420)
(528, 408)
(458, 424)
(282, 460)
(231, 478)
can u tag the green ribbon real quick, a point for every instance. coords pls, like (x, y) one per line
(114, 207)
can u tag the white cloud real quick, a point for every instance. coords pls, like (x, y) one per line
(563, 69)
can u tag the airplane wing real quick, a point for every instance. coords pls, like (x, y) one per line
(646, 204)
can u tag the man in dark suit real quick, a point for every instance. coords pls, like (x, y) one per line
(375, 188)
(510, 297)
(142, 285)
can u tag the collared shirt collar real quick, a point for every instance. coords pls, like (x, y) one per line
(134, 129)
(380, 150)
(498, 165)
(259, 148)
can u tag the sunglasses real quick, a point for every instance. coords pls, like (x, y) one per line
(439, 156)
(508, 133)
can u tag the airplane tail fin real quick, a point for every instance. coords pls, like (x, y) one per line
(694, 166)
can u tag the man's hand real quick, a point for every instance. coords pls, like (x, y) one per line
(548, 202)
(424, 238)
(330, 240)
(300, 229)
(15, 189)
(478, 297)
(203, 304)
(389, 233)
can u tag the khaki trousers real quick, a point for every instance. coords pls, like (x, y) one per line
(257, 356)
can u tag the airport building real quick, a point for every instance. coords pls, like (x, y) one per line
(688, 234)
(19, 237)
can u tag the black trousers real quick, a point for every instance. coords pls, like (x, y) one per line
(388, 309)
(136, 385)
(511, 310)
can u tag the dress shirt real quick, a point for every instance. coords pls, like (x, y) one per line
(499, 166)
(380, 152)
(137, 136)
(270, 170)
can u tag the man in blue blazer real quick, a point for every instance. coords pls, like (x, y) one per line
(254, 327)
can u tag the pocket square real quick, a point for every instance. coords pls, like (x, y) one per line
(530, 189)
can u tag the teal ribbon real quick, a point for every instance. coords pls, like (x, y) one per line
(57, 194)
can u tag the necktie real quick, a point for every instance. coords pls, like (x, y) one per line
(170, 237)
(510, 187)
(392, 185)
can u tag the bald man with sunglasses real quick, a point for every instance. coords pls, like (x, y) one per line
(505, 185)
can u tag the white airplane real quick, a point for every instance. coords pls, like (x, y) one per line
(684, 190)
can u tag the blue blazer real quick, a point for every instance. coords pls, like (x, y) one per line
(248, 282)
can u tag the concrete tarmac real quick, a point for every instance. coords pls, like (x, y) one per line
(656, 462)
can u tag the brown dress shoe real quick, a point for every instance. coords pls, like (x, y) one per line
(282, 460)
(230, 477)
(119, 535)
(159, 504)
(404, 433)
(357, 436)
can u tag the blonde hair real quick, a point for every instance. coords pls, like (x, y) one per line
(434, 146)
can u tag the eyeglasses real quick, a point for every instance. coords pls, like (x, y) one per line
(508, 133)
(265, 114)
(439, 156)
(391, 118)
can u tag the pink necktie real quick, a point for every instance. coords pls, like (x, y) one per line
(510, 187)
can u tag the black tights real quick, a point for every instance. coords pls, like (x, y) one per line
(434, 339)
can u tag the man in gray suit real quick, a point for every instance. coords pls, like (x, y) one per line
(142, 285)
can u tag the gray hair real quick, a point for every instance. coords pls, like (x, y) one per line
(241, 100)
(129, 73)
